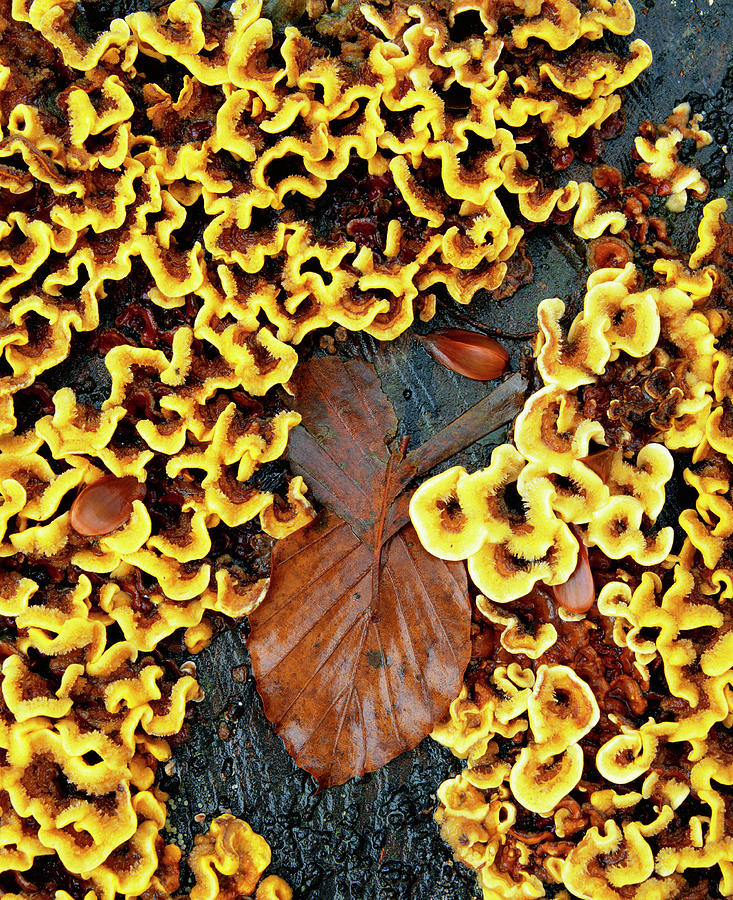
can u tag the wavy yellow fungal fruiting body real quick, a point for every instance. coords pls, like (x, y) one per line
(230, 848)
(669, 342)
(538, 780)
(276, 190)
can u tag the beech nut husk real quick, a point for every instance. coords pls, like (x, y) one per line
(105, 505)
(467, 353)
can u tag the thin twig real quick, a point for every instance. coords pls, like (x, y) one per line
(493, 332)
(495, 410)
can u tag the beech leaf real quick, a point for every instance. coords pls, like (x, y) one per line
(356, 660)
(363, 638)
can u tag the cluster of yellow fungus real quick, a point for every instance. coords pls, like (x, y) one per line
(598, 749)
(84, 723)
(657, 148)
(269, 139)
(227, 861)
(511, 521)
(184, 196)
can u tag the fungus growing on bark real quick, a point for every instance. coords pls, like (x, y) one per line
(654, 368)
(176, 244)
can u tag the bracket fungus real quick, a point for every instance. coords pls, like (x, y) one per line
(600, 767)
(185, 196)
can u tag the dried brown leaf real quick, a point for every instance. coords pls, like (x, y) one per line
(363, 638)
(356, 659)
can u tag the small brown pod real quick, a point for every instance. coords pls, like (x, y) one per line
(578, 593)
(467, 353)
(105, 505)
